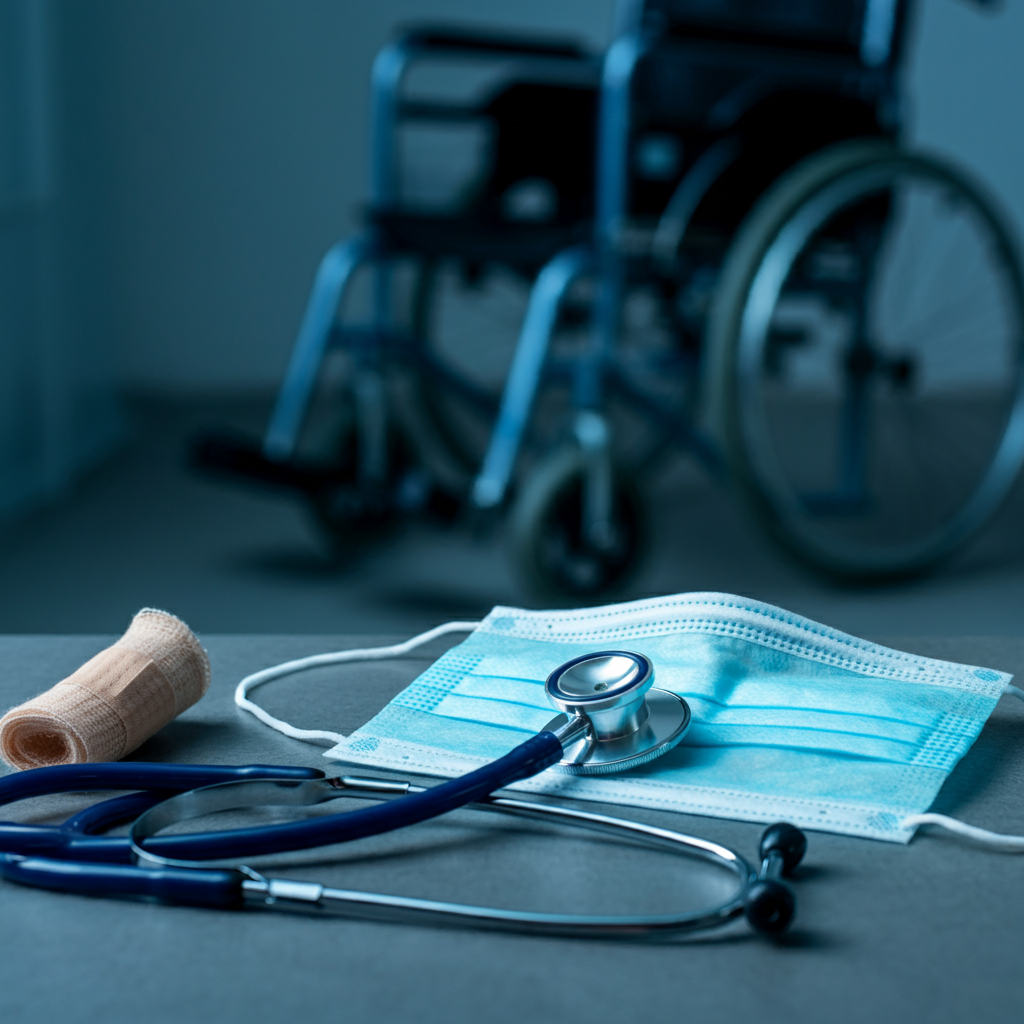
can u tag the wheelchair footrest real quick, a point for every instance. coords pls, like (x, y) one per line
(340, 499)
(229, 455)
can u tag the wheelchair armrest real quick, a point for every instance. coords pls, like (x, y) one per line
(451, 39)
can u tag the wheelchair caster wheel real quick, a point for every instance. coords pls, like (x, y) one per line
(552, 554)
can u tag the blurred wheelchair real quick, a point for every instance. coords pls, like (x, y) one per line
(761, 277)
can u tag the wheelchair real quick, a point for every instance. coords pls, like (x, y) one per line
(726, 251)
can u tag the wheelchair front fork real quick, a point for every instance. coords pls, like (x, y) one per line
(333, 278)
(491, 485)
(589, 428)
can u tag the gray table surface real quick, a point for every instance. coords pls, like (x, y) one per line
(932, 931)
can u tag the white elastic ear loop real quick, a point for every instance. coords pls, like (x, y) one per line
(289, 668)
(982, 836)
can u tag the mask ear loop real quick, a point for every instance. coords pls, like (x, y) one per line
(991, 840)
(289, 668)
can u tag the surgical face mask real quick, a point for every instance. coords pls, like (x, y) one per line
(792, 720)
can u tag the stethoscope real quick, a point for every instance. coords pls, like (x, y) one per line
(611, 718)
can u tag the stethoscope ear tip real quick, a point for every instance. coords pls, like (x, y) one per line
(785, 840)
(769, 907)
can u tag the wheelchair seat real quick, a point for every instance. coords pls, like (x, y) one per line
(541, 139)
(525, 247)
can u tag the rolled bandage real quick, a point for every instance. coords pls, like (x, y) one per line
(115, 701)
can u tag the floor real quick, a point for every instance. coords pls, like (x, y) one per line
(144, 530)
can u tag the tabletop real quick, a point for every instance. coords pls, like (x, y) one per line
(931, 931)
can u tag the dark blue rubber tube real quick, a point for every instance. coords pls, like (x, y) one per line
(50, 841)
(208, 888)
(77, 778)
(118, 810)
(529, 758)
(72, 840)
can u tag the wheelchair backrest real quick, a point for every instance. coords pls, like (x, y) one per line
(787, 77)
(870, 30)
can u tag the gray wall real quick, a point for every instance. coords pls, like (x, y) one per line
(239, 155)
(966, 86)
(57, 407)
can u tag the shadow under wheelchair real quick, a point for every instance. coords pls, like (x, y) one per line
(701, 538)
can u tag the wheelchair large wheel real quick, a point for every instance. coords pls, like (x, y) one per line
(551, 554)
(864, 360)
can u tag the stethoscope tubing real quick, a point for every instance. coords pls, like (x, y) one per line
(605, 716)
(235, 888)
(73, 839)
(80, 778)
(527, 759)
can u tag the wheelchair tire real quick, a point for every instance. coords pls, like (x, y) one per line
(864, 360)
(550, 554)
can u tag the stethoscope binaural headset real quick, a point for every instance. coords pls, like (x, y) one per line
(611, 718)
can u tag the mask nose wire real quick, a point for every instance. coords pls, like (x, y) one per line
(996, 841)
(289, 668)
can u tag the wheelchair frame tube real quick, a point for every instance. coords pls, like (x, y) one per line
(388, 69)
(612, 199)
(332, 279)
(339, 264)
(553, 281)
(524, 376)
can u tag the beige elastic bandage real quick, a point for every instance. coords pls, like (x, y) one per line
(115, 701)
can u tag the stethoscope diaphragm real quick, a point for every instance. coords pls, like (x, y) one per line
(629, 721)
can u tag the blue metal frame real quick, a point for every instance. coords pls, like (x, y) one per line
(491, 486)
(524, 377)
(332, 279)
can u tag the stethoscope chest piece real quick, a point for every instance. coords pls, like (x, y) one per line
(629, 721)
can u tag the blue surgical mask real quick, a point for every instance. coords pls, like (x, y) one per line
(792, 720)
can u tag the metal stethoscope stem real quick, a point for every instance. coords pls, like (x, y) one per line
(767, 903)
